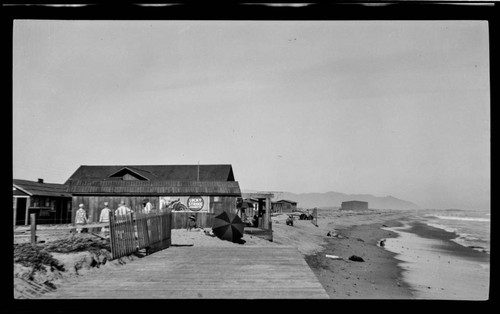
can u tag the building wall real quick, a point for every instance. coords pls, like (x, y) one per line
(218, 204)
(285, 207)
(277, 207)
(48, 210)
(94, 205)
(354, 206)
(204, 219)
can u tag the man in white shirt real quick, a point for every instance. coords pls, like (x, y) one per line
(122, 210)
(147, 206)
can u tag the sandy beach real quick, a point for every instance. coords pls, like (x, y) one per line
(385, 272)
(417, 261)
(377, 277)
(437, 267)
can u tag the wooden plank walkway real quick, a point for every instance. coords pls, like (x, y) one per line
(202, 272)
(265, 234)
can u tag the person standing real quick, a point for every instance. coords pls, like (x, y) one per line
(104, 217)
(147, 206)
(80, 218)
(191, 223)
(164, 201)
(122, 210)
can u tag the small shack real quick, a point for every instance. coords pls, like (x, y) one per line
(50, 202)
(284, 206)
(202, 190)
(354, 205)
(262, 210)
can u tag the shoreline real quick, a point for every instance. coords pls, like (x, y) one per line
(418, 261)
(431, 260)
(449, 239)
(378, 277)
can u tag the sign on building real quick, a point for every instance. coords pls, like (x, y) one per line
(193, 203)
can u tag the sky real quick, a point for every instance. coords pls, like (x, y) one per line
(398, 108)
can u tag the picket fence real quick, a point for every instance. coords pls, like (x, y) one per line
(139, 231)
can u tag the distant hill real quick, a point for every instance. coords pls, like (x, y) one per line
(335, 199)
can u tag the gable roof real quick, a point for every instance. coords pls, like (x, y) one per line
(33, 188)
(158, 187)
(156, 173)
(286, 201)
(137, 173)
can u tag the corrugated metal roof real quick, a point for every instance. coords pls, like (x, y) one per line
(157, 187)
(158, 172)
(42, 189)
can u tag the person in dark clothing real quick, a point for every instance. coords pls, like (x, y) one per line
(255, 220)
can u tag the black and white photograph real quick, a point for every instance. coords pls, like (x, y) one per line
(251, 158)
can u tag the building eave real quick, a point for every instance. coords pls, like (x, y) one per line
(23, 190)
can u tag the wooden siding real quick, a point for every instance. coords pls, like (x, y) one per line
(128, 177)
(203, 219)
(48, 210)
(219, 204)
(94, 205)
(280, 207)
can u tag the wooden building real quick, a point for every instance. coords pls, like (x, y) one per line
(49, 201)
(203, 190)
(284, 206)
(354, 205)
(262, 209)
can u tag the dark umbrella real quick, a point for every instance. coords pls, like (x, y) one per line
(228, 226)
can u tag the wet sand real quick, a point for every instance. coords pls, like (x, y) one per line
(437, 267)
(416, 262)
(355, 233)
(378, 277)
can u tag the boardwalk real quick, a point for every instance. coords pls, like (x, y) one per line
(203, 272)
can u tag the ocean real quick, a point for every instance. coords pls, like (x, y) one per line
(472, 227)
(445, 254)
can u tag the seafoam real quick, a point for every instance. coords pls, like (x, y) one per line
(471, 226)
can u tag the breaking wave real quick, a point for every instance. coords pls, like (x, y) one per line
(463, 218)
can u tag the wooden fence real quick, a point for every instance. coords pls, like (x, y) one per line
(132, 232)
(203, 219)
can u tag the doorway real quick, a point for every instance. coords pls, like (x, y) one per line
(21, 211)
